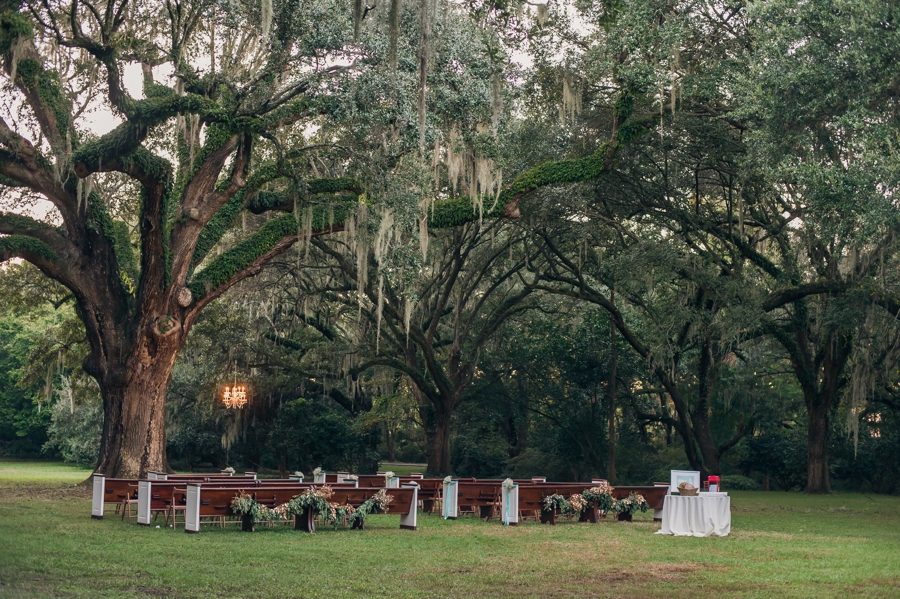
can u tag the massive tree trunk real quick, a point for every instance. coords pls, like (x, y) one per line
(133, 376)
(134, 425)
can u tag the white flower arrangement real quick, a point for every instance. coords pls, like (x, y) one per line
(298, 474)
(448, 480)
(352, 477)
(508, 484)
(317, 471)
(229, 470)
(388, 475)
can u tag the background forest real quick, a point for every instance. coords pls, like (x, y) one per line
(586, 239)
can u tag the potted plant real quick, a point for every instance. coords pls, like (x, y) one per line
(628, 506)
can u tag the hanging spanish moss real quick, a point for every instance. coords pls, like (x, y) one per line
(436, 161)
(456, 161)
(407, 317)
(571, 99)
(379, 312)
(266, 18)
(393, 35)
(307, 230)
(428, 17)
(496, 100)
(543, 13)
(423, 228)
(385, 234)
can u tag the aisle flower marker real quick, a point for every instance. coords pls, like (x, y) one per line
(628, 506)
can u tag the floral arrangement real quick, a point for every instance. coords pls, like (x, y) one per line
(448, 480)
(631, 504)
(388, 475)
(229, 470)
(244, 505)
(298, 474)
(334, 513)
(557, 502)
(577, 502)
(601, 496)
(316, 499)
(380, 501)
(508, 484)
(318, 471)
(352, 477)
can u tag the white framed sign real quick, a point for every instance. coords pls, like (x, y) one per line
(683, 476)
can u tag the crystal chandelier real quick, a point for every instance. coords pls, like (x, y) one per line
(235, 396)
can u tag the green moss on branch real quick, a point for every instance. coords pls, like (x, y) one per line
(223, 268)
(23, 246)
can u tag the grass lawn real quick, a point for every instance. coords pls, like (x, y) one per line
(782, 545)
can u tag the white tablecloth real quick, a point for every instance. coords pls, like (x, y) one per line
(703, 516)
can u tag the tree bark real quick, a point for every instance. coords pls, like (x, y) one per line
(134, 401)
(818, 480)
(437, 436)
(389, 441)
(700, 418)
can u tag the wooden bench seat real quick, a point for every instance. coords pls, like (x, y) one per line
(531, 497)
(116, 490)
(158, 496)
(205, 500)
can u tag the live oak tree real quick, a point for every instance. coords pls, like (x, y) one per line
(432, 326)
(138, 309)
(222, 133)
(822, 88)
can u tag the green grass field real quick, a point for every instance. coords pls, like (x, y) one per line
(782, 545)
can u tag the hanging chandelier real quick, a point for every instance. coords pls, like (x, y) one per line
(235, 396)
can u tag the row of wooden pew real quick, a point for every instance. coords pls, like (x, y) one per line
(198, 498)
(526, 498)
(208, 497)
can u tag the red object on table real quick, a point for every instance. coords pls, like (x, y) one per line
(713, 480)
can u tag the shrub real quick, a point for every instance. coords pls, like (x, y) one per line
(74, 432)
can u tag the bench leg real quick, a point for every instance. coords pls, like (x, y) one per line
(305, 521)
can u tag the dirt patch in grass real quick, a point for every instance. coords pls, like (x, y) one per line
(50, 493)
(154, 592)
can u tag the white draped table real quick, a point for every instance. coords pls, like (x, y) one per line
(703, 516)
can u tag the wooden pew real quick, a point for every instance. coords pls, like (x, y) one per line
(203, 500)
(531, 497)
(117, 490)
(156, 496)
(152, 475)
(429, 490)
(481, 495)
